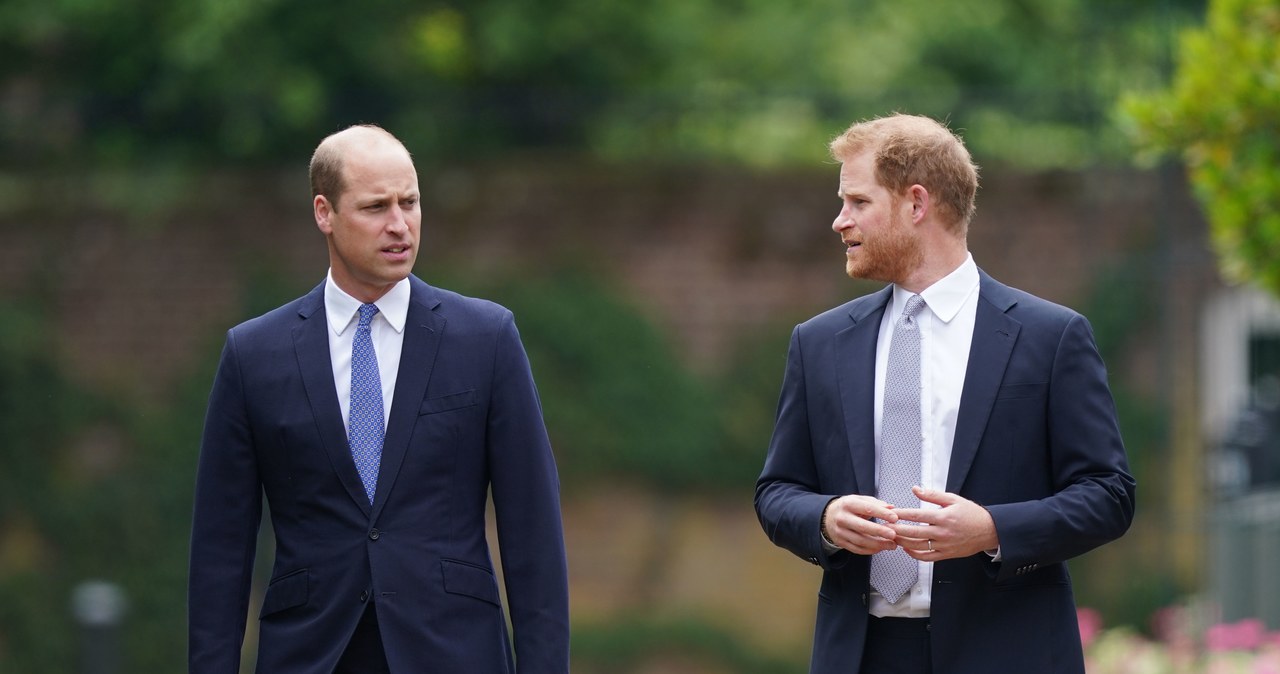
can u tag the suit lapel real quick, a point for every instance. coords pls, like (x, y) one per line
(856, 357)
(311, 344)
(422, 332)
(994, 334)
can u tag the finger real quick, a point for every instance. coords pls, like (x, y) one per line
(870, 546)
(859, 526)
(915, 532)
(865, 506)
(864, 545)
(918, 516)
(934, 496)
(919, 545)
(926, 555)
(917, 540)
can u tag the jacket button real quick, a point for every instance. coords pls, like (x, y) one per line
(364, 596)
(373, 535)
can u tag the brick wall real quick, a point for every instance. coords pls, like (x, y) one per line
(710, 255)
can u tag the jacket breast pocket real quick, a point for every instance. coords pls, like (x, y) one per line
(445, 403)
(287, 591)
(1023, 391)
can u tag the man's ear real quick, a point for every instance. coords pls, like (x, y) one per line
(324, 213)
(919, 199)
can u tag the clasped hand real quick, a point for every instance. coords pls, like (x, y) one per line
(865, 525)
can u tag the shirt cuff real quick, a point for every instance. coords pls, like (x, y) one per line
(828, 546)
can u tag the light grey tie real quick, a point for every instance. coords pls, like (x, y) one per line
(893, 572)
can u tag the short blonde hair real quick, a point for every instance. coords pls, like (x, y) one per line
(914, 150)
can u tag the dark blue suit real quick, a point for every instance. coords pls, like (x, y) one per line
(465, 417)
(1036, 443)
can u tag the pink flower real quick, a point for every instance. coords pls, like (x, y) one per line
(1244, 635)
(1090, 624)
(1267, 663)
(1252, 633)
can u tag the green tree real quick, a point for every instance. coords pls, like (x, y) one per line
(90, 490)
(762, 82)
(1222, 115)
(617, 402)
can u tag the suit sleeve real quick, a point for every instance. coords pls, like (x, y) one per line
(788, 500)
(1094, 494)
(227, 513)
(526, 499)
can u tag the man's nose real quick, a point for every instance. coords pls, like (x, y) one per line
(398, 221)
(841, 222)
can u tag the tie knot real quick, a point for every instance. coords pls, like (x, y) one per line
(914, 305)
(367, 312)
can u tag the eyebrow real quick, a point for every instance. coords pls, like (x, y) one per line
(385, 198)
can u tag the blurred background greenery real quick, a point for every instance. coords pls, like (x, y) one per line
(646, 186)
(234, 82)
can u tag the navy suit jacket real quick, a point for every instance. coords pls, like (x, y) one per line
(465, 422)
(1036, 443)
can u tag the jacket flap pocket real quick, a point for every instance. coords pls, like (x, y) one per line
(445, 403)
(470, 580)
(286, 591)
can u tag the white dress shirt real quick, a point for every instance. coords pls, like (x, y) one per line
(386, 330)
(946, 333)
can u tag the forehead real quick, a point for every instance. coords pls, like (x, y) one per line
(378, 167)
(858, 175)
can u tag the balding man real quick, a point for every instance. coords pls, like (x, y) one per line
(377, 414)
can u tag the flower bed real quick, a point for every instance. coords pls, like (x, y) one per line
(1184, 642)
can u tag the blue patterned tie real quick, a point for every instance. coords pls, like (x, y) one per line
(366, 423)
(893, 572)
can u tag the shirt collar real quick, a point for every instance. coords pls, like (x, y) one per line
(342, 308)
(946, 296)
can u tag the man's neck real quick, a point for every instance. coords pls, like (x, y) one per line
(937, 264)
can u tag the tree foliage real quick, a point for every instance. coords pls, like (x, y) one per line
(618, 404)
(1222, 115)
(756, 81)
(90, 491)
